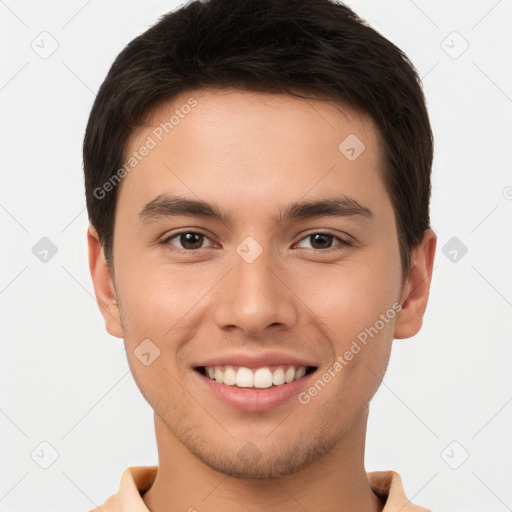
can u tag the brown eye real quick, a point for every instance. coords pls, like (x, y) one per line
(321, 241)
(188, 240)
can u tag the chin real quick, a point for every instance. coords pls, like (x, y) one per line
(271, 461)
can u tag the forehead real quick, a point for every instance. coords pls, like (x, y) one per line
(253, 116)
(253, 147)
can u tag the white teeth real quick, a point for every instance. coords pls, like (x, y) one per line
(290, 374)
(278, 377)
(261, 378)
(300, 372)
(244, 378)
(229, 376)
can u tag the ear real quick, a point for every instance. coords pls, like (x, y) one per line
(103, 284)
(416, 289)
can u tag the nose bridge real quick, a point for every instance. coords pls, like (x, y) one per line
(253, 298)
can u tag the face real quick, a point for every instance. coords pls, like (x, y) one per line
(256, 265)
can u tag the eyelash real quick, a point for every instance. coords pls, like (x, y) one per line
(343, 243)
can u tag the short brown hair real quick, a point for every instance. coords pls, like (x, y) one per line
(317, 47)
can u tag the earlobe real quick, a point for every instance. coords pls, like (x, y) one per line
(103, 284)
(417, 287)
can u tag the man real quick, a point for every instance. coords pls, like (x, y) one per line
(258, 180)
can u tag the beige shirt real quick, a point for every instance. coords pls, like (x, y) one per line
(138, 479)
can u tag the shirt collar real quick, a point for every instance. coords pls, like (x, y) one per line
(386, 484)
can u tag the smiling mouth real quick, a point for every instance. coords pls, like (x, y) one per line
(255, 378)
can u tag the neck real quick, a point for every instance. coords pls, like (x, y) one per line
(337, 481)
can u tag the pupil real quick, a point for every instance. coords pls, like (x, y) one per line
(187, 239)
(322, 238)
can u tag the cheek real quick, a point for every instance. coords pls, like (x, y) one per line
(158, 300)
(357, 311)
(350, 298)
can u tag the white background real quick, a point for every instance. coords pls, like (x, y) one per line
(66, 381)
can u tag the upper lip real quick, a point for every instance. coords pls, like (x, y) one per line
(254, 360)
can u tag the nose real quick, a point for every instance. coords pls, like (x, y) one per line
(254, 297)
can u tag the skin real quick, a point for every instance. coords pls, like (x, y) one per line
(253, 154)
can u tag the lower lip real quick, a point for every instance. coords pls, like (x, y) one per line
(255, 400)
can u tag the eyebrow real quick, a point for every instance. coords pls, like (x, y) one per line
(166, 205)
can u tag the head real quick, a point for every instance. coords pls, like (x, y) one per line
(258, 179)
